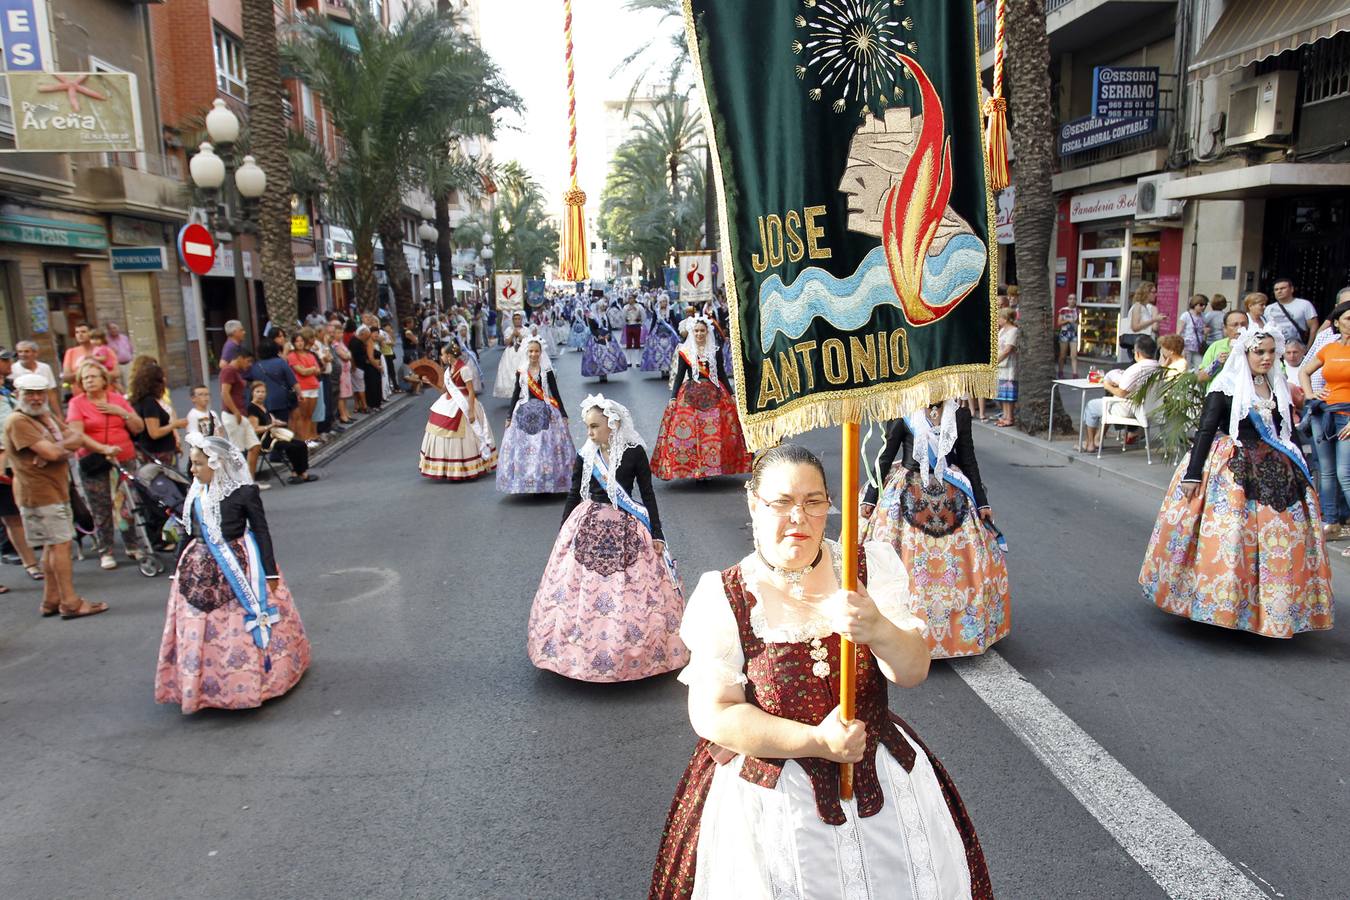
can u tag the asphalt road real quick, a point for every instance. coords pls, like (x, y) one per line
(423, 756)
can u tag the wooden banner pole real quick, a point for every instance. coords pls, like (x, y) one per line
(848, 537)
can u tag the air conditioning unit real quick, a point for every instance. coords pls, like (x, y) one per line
(1149, 204)
(1261, 109)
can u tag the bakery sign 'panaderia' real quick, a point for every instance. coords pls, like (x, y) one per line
(855, 204)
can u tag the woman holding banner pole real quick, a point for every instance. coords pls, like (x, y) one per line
(759, 807)
(933, 509)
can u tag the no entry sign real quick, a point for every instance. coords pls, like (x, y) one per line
(196, 248)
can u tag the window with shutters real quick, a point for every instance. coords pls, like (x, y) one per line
(231, 76)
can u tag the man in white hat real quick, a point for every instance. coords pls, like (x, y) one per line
(36, 450)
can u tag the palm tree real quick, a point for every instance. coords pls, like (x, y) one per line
(268, 128)
(1028, 56)
(393, 100)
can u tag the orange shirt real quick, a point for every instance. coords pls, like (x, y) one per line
(1335, 359)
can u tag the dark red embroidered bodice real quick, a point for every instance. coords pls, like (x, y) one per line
(781, 683)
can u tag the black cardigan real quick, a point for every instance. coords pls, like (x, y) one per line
(243, 508)
(598, 331)
(683, 370)
(1214, 418)
(633, 467)
(900, 442)
(550, 385)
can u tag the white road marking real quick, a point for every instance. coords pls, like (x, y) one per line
(1184, 864)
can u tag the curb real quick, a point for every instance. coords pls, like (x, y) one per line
(1014, 436)
(366, 426)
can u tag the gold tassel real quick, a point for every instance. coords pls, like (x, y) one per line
(996, 113)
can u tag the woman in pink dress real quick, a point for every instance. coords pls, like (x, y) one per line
(609, 605)
(345, 389)
(232, 636)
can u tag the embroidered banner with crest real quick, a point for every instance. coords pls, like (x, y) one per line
(510, 289)
(696, 276)
(854, 204)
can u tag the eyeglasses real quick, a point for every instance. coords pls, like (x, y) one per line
(784, 506)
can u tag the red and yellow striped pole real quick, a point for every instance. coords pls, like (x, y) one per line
(572, 264)
(996, 112)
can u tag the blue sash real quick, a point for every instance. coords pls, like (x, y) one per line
(600, 469)
(958, 480)
(1272, 440)
(252, 596)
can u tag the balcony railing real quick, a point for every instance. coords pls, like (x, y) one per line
(1052, 5)
(985, 25)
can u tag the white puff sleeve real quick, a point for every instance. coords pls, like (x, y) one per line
(888, 586)
(710, 632)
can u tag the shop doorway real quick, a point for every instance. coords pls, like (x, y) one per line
(66, 303)
(1307, 239)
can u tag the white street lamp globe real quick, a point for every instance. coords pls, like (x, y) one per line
(486, 253)
(427, 232)
(487, 239)
(250, 179)
(428, 212)
(221, 123)
(207, 169)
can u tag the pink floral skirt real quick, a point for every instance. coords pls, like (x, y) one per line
(207, 657)
(606, 609)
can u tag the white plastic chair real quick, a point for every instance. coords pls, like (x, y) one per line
(1131, 411)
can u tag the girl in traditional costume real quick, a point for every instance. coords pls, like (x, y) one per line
(537, 450)
(934, 511)
(758, 813)
(470, 358)
(700, 432)
(603, 356)
(1238, 542)
(457, 444)
(662, 341)
(580, 336)
(509, 364)
(232, 636)
(609, 604)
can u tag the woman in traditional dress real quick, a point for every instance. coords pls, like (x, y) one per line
(609, 604)
(662, 341)
(457, 444)
(232, 636)
(934, 511)
(580, 336)
(509, 364)
(603, 356)
(1238, 541)
(758, 812)
(700, 432)
(537, 450)
(470, 358)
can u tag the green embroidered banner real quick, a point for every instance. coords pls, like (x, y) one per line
(854, 205)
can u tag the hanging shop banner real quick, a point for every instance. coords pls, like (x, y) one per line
(74, 112)
(534, 292)
(695, 276)
(25, 35)
(852, 190)
(510, 290)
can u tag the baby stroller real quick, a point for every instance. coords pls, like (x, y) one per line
(155, 494)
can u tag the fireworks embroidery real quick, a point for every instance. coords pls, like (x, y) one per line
(851, 51)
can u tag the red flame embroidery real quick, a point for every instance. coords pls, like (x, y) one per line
(693, 270)
(509, 291)
(915, 206)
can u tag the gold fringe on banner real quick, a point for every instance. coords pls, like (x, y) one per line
(879, 406)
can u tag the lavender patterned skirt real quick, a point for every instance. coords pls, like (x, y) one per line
(659, 349)
(606, 609)
(603, 359)
(537, 452)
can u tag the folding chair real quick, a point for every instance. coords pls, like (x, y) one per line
(1129, 411)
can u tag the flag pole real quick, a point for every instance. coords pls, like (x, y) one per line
(848, 537)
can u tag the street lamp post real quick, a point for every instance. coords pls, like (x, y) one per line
(486, 255)
(232, 213)
(428, 233)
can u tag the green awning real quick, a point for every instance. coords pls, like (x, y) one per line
(1249, 31)
(347, 33)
